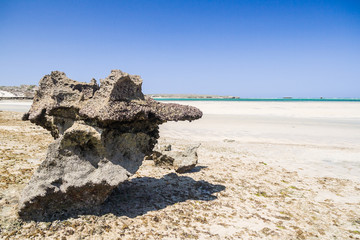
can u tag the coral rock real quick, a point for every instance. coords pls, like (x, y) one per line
(180, 161)
(102, 134)
(186, 160)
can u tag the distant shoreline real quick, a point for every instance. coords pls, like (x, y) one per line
(191, 96)
(263, 99)
(229, 99)
(16, 98)
(27, 92)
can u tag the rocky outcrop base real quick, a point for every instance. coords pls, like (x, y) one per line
(102, 134)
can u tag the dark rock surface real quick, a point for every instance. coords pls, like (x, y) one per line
(162, 159)
(102, 134)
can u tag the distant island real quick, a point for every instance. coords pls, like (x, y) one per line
(28, 91)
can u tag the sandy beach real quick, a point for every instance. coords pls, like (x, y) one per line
(314, 138)
(267, 170)
(15, 106)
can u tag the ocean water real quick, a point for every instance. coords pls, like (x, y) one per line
(263, 99)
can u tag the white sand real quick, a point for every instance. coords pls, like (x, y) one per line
(316, 138)
(6, 94)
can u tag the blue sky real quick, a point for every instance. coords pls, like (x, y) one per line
(242, 48)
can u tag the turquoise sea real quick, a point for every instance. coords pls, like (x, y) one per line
(264, 99)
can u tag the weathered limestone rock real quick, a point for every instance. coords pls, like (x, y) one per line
(187, 160)
(102, 134)
(162, 159)
(181, 161)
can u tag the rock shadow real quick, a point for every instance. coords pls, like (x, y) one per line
(196, 169)
(141, 195)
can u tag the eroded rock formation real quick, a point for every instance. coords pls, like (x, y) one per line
(102, 134)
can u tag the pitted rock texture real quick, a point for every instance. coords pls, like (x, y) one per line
(102, 134)
(180, 161)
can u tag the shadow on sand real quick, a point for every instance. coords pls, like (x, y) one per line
(140, 195)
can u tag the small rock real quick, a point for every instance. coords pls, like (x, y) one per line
(186, 160)
(161, 159)
(181, 161)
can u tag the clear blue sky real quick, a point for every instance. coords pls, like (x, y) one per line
(242, 48)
